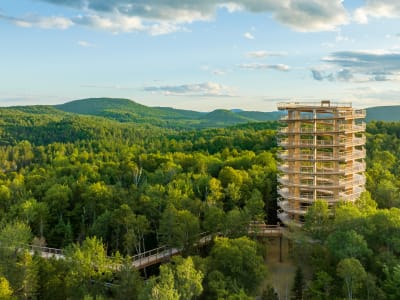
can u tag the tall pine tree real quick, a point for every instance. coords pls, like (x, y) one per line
(298, 285)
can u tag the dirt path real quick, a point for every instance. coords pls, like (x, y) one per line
(281, 274)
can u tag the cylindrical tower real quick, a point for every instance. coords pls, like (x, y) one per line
(323, 156)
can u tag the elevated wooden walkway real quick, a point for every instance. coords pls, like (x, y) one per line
(140, 261)
(163, 253)
(261, 229)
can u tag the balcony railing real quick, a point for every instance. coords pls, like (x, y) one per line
(355, 168)
(288, 207)
(322, 182)
(329, 198)
(286, 105)
(355, 114)
(285, 142)
(356, 154)
(342, 128)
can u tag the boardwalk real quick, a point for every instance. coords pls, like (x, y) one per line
(260, 229)
(163, 253)
(154, 256)
(45, 252)
(139, 261)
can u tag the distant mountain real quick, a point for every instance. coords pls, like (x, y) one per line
(261, 116)
(113, 107)
(383, 113)
(182, 113)
(130, 112)
(37, 109)
(226, 117)
(125, 110)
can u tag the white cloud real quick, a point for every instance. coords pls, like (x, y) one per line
(164, 28)
(218, 72)
(85, 44)
(248, 36)
(214, 71)
(377, 9)
(263, 54)
(231, 7)
(105, 86)
(117, 23)
(340, 37)
(312, 15)
(368, 96)
(113, 23)
(360, 66)
(207, 89)
(254, 66)
(162, 17)
(52, 22)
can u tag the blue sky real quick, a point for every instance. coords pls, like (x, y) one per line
(200, 55)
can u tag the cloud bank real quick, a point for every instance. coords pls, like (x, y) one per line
(254, 66)
(377, 9)
(52, 22)
(248, 36)
(361, 66)
(207, 89)
(263, 54)
(165, 16)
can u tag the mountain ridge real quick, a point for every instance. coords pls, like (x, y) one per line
(387, 113)
(126, 110)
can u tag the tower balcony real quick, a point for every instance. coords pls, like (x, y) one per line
(322, 156)
(355, 114)
(311, 143)
(357, 167)
(353, 128)
(322, 182)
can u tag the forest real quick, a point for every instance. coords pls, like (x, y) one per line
(105, 190)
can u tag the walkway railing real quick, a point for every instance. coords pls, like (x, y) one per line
(45, 252)
(261, 229)
(163, 253)
(154, 256)
(140, 260)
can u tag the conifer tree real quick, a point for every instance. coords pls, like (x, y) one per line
(298, 285)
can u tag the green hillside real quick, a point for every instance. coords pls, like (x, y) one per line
(111, 107)
(128, 111)
(261, 116)
(96, 106)
(224, 117)
(37, 110)
(180, 113)
(125, 110)
(383, 113)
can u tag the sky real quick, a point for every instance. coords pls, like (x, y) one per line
(200, 54)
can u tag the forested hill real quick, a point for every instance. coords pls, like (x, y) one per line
(124, 110)
(128, 111)
(105, 190)
(383, 113)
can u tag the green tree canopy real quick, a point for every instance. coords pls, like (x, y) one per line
(239, 262)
